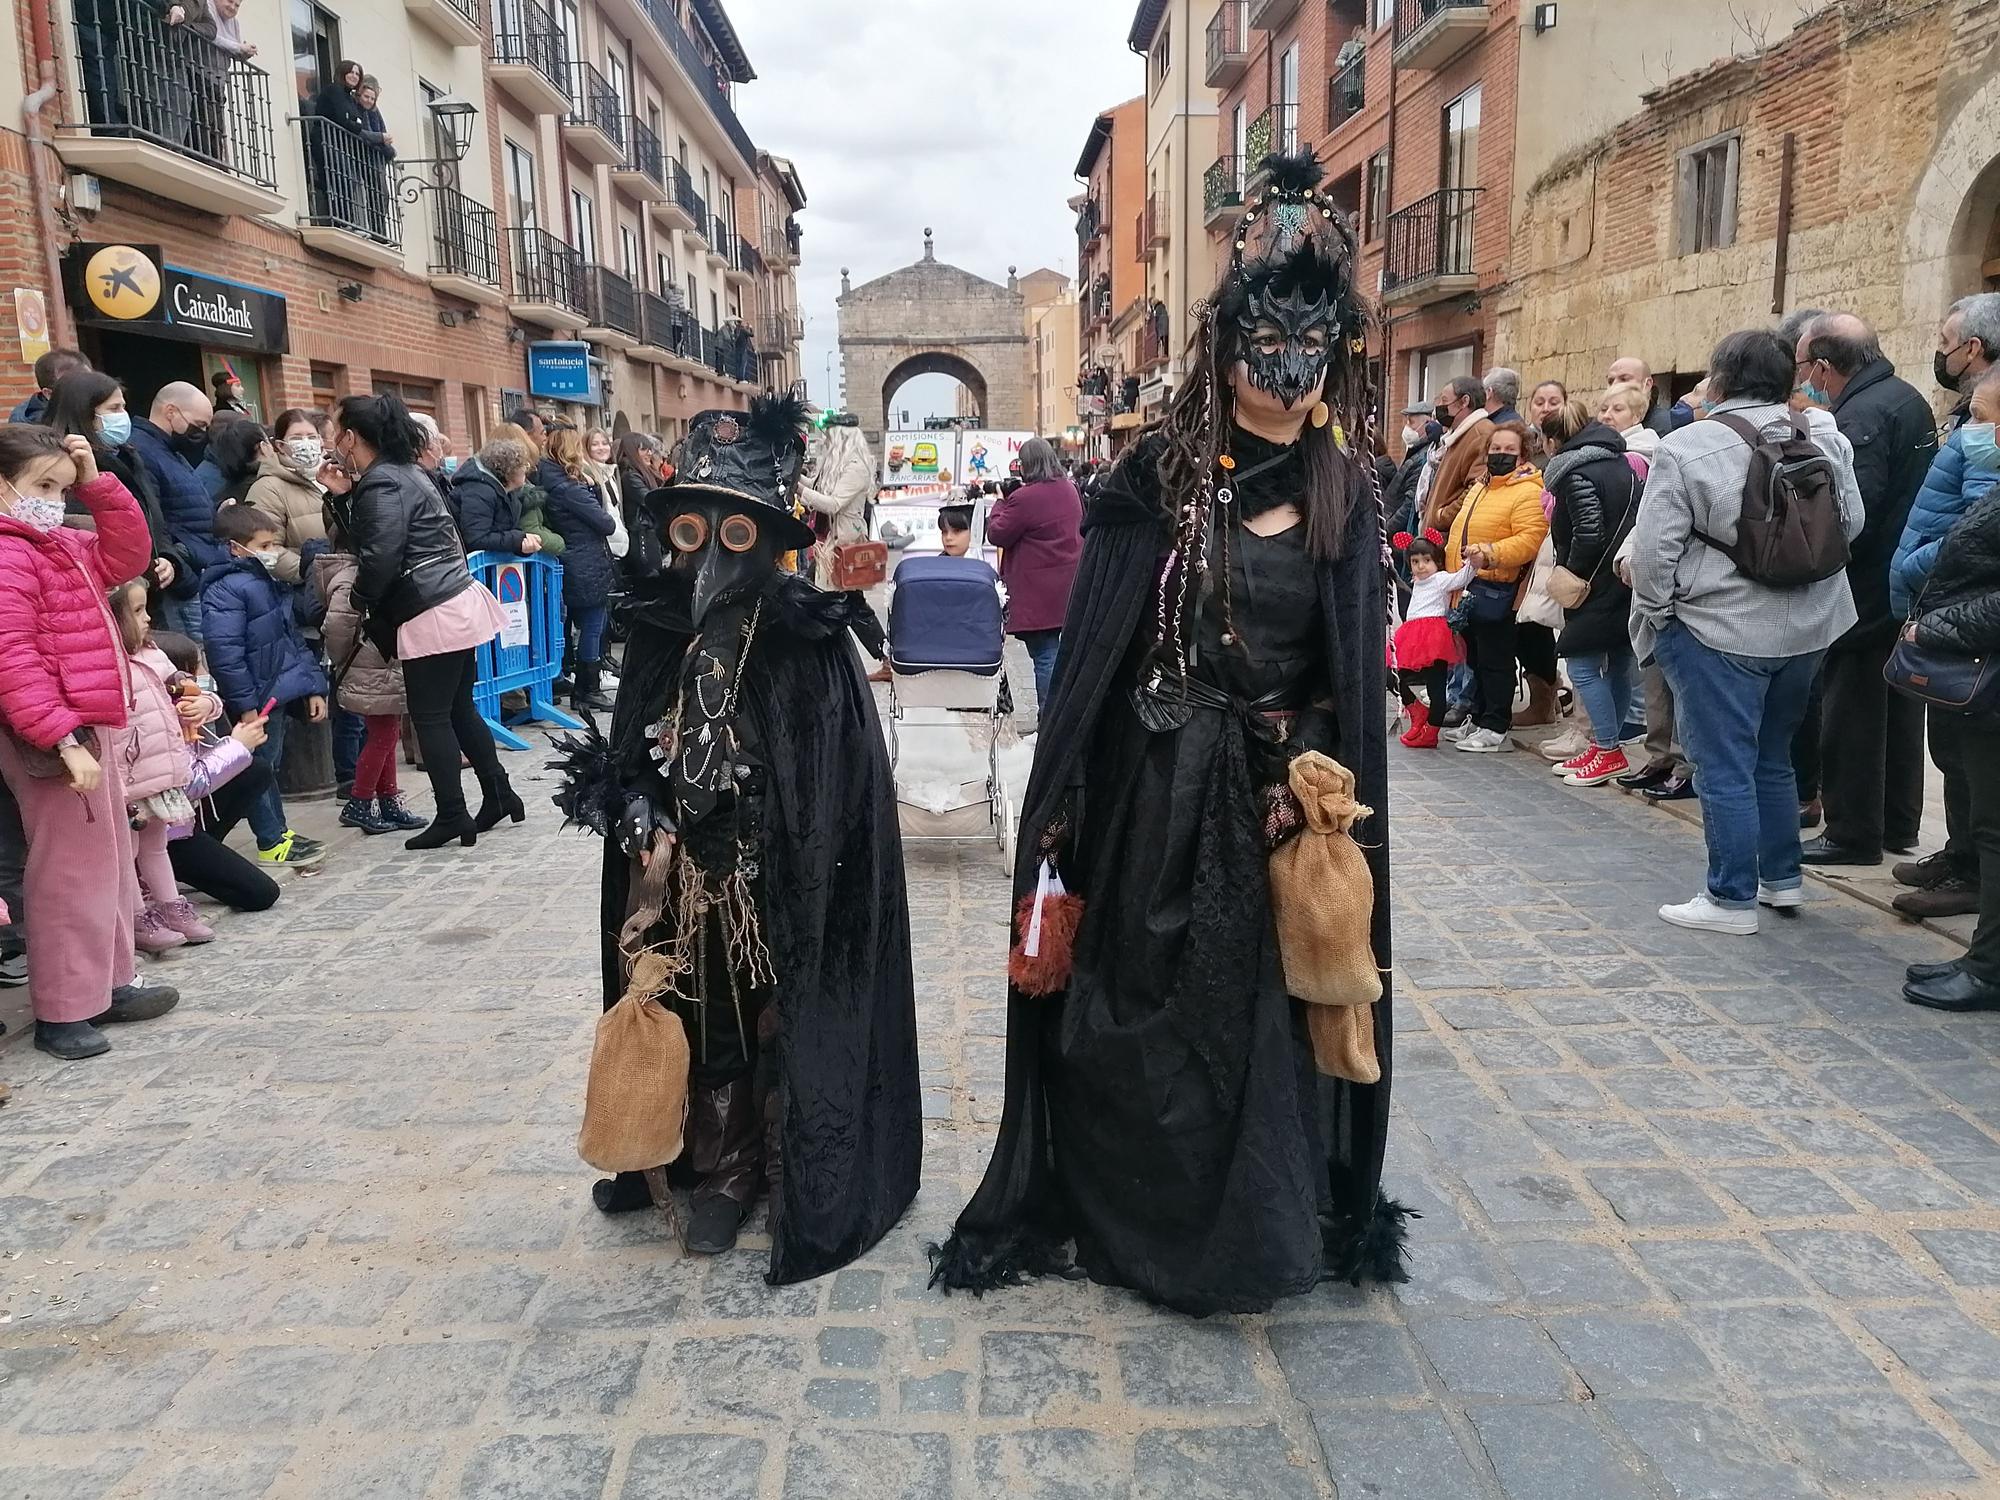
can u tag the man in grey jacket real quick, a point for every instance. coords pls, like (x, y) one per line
(1741, 655)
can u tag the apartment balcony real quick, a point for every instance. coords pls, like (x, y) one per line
(1156, 223)
(1346, 94)
(1222, 192)
(352, 207)
(1429, 256)
(465, 247)
(453, 22)
(1089, 226)
(1269, 15)
(547, 284)
(529, 60)
(641, 168)
(656, 325)
(596, 117)
(720, 240)
(745, 264)
(781, 245)
(1276, 129)
(1153, 338)
(672, 210)
(780, 331)
(1228, 45)
(1430, 33)
(698, 93)
(611, 305)
(161, 109)
(706, 74)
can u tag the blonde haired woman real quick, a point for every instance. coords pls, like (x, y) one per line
(585, 522)
(839, 483)
(1622, 408)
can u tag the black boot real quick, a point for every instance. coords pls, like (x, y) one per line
(725, 1135)
(444, 828)
(74, 1040)
(500, 801)
(586, 698)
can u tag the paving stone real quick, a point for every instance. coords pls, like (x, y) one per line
(695, 1466)
(1179, 1365)
(1622, 1354)
(855, 1291)
(103, 1391)
(1394, 1455)
(1494, 1356)
(745, 1375)
(1579, 1139)
(1701, 1138)
(1452, 1273)
(1852, 1265)
(1786, 1348)
(1975, 1411)
(1869, 1437)
(162, 1224)
(1652, 1196)
(1348, 1359)
(1900, 1189)
(24, 1372)
(644, 1297)
(1219, 1463)
(1782, 1192)
(1524, 1197)
(238, 1476)
(1558, 1273)
(851, 1348)
(402, 1474)
(1970, 1257)
(262, 1388)
(89, 1478)
(489, 1294)
(833, 1465)
(421, 1387)
(1716, 1270)
(28, 1224)
(1022, 1373)
(935, 1337)
(845, 1400)
(565, 1378)
(1557, 1453)
(521, 1467)
(1049, 1464)
(1937, 1341)
(1707, 1452)
(353, 1302)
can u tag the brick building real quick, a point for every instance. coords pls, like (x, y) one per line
(1853, 162)
(573, 211)
(1112, 268)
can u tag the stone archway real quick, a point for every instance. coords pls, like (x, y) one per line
(933, 318)
(932, 362)
(1950, 231)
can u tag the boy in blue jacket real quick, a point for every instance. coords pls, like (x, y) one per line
(258, 655)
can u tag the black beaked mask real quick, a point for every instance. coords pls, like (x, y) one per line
(1298, 363)
(719, 551)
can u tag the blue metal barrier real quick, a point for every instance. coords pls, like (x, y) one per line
(529, 588)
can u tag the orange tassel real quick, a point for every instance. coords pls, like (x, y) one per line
(1046, 971)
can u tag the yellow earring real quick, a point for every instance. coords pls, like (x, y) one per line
(1319, 414)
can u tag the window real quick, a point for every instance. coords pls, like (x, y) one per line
(714, 311)
(440, 136)
(1375, 207)
(572, 32)
(653, 120)
(1385, 12)
(1705, 195)
(1461, 141)
(327, 383)
(628, 255)
(1239, 143)
(707, 189)
(1288, 99)
(521, 200)
(418, 395)
(1161, 61)
(583, 225)
(681, 150)
(1431, 369)
(315, 46)
(694, 298)
(614, 73)
(663, 271)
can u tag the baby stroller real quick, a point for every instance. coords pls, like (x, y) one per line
(946, 639)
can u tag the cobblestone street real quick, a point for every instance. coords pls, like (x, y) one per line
(1703, 1217)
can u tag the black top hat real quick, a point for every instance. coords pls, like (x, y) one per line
(748, 459)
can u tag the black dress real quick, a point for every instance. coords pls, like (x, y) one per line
(1164, 1112)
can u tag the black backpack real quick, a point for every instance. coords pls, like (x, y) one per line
(1788, 533)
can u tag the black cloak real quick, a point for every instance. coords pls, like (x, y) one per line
(1280, 1187)
(835, 918)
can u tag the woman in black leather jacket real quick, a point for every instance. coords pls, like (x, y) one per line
(1958, 614)
(423, 607)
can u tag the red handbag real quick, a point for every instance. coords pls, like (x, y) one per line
(859, 565)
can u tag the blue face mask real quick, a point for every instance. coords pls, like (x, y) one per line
(1976, 442)
(115, 427)
(1816, 394)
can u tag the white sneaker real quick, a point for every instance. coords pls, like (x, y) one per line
(1705, 916)
(1485, 742)
(1459, 731)
(1780, 900)
(607, 681)
(1564, 746)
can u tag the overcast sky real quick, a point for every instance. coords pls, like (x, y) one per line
(906, 113)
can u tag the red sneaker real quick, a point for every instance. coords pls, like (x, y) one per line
(1419, 721)
(1422, 739)
(1602, 767)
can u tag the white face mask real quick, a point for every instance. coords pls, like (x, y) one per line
(43, 512)
(1411, 437)
(306, 453)
(269, 559)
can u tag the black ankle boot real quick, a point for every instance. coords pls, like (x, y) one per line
(444, 828)
(586, 698)
(500, 801)
(70, 1040)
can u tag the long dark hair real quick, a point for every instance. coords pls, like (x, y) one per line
(73, 403)
(384, 424)
(21, 443)
(233, 449)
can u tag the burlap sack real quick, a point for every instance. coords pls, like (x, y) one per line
(1323, 902)
(635, 1103)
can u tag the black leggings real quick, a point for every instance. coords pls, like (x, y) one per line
(1535, 649)
(203, 861)
(1431, 679)
(439, 689)
(1489, 651)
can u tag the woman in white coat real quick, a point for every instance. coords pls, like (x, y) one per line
(839, 483)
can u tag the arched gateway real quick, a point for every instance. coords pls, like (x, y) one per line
(933, 319)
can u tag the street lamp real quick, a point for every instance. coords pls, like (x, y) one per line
(451, 121)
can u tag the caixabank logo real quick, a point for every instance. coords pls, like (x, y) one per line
(122, 282)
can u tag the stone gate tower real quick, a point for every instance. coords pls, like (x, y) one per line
(931, 318)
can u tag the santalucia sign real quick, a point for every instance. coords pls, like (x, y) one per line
(132, 289)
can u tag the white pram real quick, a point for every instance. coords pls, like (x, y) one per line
(946, 640)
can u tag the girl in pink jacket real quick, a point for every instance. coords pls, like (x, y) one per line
(158, 753)
(65, 691)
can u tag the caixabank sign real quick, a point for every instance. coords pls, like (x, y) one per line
(132, 289)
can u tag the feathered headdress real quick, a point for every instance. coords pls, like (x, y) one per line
(1293, 238)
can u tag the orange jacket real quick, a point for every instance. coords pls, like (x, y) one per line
(1506, 515)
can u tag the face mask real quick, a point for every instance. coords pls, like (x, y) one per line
(269, 560)
(1411, 437)
(450, 465)
(1976, 441)
(1498, 464)
(205, 682)
(306, 453)
(1443, 415)
(115, 427)
(192, 444)
(1304, 343)
(1817, 394)
(39, 511)
(1941, 368)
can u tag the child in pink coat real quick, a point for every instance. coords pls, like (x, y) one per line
(168, 712)
(65, 694)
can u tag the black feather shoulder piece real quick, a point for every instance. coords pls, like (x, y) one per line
(1293, 172)
(591, 797)
(781, 420)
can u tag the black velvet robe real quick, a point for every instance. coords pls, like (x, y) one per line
(1278, 1183)
(834, 912)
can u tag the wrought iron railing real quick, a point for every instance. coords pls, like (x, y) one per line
(1222, 184)
(1412, 16)
(465, 237)
(642, 151)
(349, 182)
(141, 79)
(526, 35)
(593, 102)
(1089, 224)
(545, 269)
(722, 238)
(610, 300)
(1346, 93)
(656, 320)
(468, 9)
(1228, 34)
(1276, 129)
(1431, 238)
(708, 77)
(692, 203)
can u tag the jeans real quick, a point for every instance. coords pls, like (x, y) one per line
(1737, 715)
(1043, 648)
(590, 620)
(183, 615)
(267, 813)
(1604, 685)
(439, 690)
(348, 732)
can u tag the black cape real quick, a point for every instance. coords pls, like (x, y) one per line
(1279, 1184)
(835, 916)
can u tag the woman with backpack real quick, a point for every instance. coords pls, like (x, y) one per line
(1741, 646)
